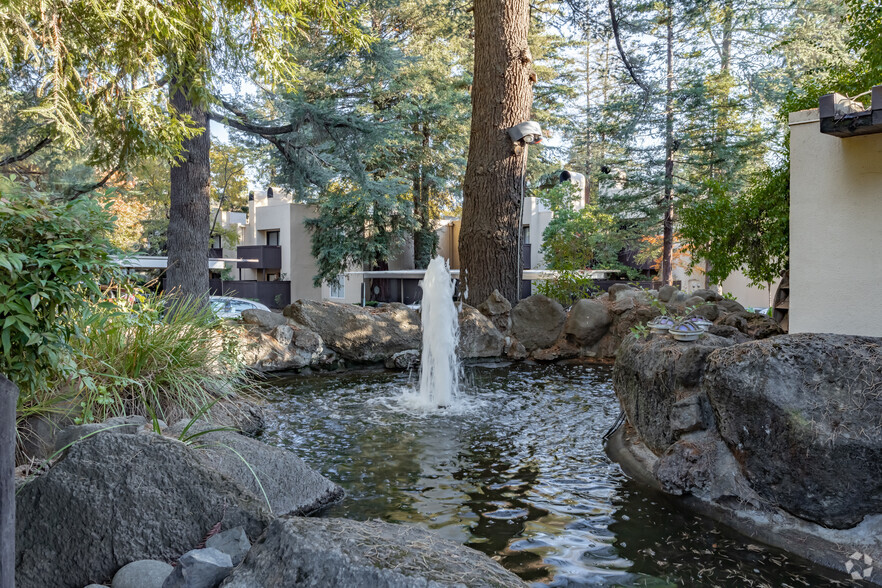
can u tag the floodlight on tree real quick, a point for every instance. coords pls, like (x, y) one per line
(528, 132)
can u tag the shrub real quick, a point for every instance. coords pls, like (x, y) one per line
(55, 253)
(163, 358)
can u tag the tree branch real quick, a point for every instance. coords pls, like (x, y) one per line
(243, 124)
(84, 189)
(27, 153)
(615, 27)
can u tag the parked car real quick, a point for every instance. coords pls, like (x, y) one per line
(229, 307)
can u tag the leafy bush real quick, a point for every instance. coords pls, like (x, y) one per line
(55, 253)
(568, 287)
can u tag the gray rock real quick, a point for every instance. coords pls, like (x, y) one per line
(587, 322)
(498, 310)
(667, 292)
(291, 486)
(263, 318)
(804, 415)
(653, 374)
(537, 321)
(708, 311)
(478, 337)
(708, 295)
(702, 465)
(113, 499)
(638, 296)
(339, 553)
(404, 360)
(694, 301)
(145, 573)
(233, 542)
(514, 349)
(616, 289)
(360, 334)
(200, 568)
(127, 424)
(283, 334)
(755, 326)
(727, 305)
(286, 347)
(680, 298)
(690, 414)
(728, 332)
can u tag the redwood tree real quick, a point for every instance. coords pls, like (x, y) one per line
(502, 96)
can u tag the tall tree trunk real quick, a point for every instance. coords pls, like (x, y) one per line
(188, 220)
(425, 240)
(502, 96)
(668, 238)
(8, 403)
(587, 196)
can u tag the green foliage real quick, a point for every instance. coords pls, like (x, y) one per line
(748, 231)
(357, 227)
(157, 357)
(54, 254)
(579, 239)
(567, 287)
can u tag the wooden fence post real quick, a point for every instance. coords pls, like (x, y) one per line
(8, 402)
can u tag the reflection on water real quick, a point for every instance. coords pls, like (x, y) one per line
(517, 471)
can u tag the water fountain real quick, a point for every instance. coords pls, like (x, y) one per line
(439, 369)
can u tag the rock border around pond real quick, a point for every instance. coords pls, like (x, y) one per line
(329, 335)
(761, 436)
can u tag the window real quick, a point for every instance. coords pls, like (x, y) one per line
(216, 241)
(338, 290)
(525, 235)
(272, 237)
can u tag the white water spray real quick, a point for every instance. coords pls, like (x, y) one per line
(439, 371)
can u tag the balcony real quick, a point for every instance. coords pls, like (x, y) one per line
(260, 257)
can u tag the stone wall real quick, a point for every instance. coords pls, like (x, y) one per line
(781, 434)
(326, 334)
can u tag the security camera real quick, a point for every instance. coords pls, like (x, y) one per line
(529, 132)
(574, 178)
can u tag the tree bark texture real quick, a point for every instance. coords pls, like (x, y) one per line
(8, 402)
(668, 236)
(502, 96)
(188, 222)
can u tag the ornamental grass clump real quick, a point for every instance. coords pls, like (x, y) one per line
(161, 357)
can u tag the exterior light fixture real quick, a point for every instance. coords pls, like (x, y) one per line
(529, 132)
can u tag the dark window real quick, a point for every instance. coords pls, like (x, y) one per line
(525, 235)
(272, 237)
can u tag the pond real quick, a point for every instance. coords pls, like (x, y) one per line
(515, 469)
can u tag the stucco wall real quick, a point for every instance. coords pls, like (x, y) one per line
(835, 230)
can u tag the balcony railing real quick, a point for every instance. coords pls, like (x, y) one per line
(263, 256)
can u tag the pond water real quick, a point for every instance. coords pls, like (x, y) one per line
(515, 469)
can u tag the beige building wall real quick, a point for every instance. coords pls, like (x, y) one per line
(281, 214)
(835, 230)
(448, 241)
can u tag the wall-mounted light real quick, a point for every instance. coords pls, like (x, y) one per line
(529, 132)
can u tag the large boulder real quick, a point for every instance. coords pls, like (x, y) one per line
(360, 334)
(478, 337)
(652, 375)
(286, 346)
(339, 553)
(587, 322)
(263, 318)
(116, 498)
(803, 414)
(273, 474)
(537, 322)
